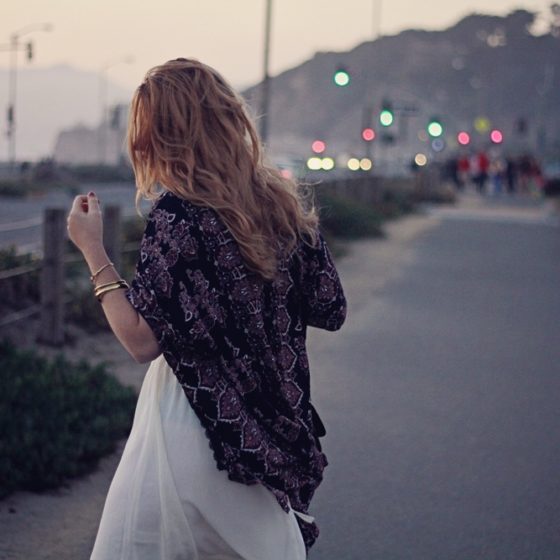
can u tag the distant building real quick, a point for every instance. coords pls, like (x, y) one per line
(104, 145)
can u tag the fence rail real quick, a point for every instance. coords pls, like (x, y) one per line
(52, 271)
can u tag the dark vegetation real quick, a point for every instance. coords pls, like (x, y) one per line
(57, 418)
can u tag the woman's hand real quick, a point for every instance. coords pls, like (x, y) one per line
(85, 223)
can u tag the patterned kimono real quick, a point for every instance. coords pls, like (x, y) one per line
(236, 344)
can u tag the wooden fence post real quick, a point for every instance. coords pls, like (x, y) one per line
(52, 277)
(112, 234)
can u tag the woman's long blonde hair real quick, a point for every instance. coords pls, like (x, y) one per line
(191, 133)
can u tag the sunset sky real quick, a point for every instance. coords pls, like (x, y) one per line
(225, 34)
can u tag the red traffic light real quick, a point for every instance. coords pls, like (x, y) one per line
(318, 147)
(496, 136)
(368, 134)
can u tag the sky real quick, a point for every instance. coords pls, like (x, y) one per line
(101, 35)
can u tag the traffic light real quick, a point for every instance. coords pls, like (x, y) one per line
(341, 77)
(368, 134)
(29, 50)
(463, 138)
(387, 115)
(435, 128)
(318, 147)
(496, 136)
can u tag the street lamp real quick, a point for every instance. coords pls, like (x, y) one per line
(103, 130)
(12, 82)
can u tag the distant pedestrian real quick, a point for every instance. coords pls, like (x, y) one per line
(481, 172)
(497, 171)
(463, 170)
(511, 175)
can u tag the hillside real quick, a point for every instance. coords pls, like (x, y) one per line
(483, 66)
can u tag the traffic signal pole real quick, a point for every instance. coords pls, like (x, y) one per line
(11, 133)
(14, 47)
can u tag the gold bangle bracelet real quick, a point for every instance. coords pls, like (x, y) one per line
(94, 276)
(100, 294)
(120, 280)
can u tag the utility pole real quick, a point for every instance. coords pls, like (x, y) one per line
(377, 8)
(265, 87)
(12, 84)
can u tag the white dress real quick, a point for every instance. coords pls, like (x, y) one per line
(168, 500)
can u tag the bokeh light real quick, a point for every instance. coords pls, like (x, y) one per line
(341, 78)
(496, 136)
(435, 129)
(438, 144)
(482, 125)
(463, 138)
(368, 134)
(386, 118)
(314, 163)
(353, 164)
(318, 147)
(366, 164)
(420, 160)
(327, 163)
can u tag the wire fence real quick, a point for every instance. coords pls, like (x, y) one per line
(51, 269)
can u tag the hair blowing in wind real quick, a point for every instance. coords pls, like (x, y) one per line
(191, 133)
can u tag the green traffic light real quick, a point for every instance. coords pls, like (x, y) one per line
(341, 78)
(435, 130)
(386, 117)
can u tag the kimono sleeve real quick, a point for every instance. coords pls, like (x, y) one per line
(165, 287)
(324, 301)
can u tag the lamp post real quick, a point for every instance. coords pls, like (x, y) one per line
(265, 89)
(103, 129)
(12, 82)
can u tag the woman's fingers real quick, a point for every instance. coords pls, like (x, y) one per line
(93, 202)
(77, 204)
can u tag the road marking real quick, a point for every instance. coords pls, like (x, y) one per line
(21, 224)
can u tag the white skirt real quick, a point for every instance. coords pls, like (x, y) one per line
(168, 500)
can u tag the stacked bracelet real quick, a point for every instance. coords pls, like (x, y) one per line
(104, 288)
(94, 276)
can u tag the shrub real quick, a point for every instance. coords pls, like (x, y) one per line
(57, 418)
(396, 203)
(19, 291)
(346, 219)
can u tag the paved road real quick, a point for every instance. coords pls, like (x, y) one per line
(441, 398)
(21, 219)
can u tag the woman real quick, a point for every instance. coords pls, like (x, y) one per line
(232, 270)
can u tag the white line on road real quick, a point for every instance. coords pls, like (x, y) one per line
(21, 224)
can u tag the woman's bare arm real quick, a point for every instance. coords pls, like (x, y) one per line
(126, 323)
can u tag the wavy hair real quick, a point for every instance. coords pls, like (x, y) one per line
(191, 133)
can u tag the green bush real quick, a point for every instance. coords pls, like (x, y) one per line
(396, 203)
(57, 418)
(346, 219)
(19, 291)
